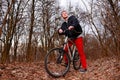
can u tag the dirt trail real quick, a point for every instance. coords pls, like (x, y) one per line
(101, 69)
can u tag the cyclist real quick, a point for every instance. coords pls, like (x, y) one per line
(73, 30)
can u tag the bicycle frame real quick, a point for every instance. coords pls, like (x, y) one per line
(71, 50)
(58, 61)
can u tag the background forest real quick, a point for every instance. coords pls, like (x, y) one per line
(28, 28)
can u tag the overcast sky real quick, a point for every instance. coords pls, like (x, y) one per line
(64, 3)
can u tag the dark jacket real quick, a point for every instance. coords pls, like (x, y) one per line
(72, 21)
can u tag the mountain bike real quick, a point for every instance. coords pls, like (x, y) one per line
(55, 62)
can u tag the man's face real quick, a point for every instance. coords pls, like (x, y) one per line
(64, 15)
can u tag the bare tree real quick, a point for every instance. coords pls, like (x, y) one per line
(106, 24)
(10, 29)
(4, 20)
(29, 54)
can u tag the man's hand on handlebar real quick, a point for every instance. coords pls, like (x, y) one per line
(70, 27)
(60, 31)
(67, 32)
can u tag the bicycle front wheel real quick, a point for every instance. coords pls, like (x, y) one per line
(55, 64)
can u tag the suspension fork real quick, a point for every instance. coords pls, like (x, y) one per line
(60, 57)
(62, 51)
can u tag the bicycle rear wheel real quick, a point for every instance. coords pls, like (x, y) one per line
(55, 64)
(76, 61)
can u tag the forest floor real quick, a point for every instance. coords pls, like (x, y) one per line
(100, 69)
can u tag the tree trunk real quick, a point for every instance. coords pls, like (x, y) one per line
(29, 51)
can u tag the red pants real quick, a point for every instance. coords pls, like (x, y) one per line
(79, 45)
